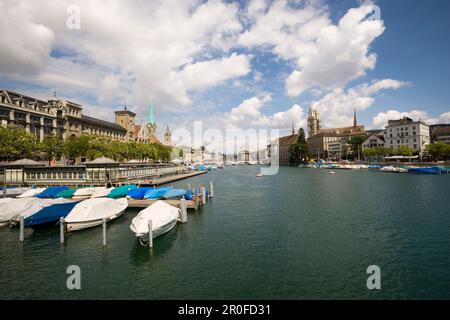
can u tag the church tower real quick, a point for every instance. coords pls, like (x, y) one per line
(151, 125)
(313, 122)
(167, 137)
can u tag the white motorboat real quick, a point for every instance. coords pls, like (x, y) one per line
(31, 206)
(102, 192)
(85, 193)
(31, 193)
(4, 204)
(388, 169)
(393, 169)
(91, 212)
(13, 192)
(163, 216)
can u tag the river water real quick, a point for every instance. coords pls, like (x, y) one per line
(300, 234)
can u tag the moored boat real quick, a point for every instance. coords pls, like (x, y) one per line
(121, 192)
(101, 192)
(425, 170)
(34, 206)
(68, 193)
(50, 214)
(174, 193)
(51, 192)
(163, 216)
(91, 212)
(84, 193)
(138, 193)
(13, 191)
(31, 192)
(10, 208)
(156, 193)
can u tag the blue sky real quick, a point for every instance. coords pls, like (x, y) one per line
(230, 64)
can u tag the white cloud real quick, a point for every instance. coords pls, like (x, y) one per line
(248, 114)
(25, 44)
(445, 117)
(206, 74)
(336, 108)
(145, 44)
(326, 56)
(381, 119)
(339, 55)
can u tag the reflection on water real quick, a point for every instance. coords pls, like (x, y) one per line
(141, 255)
(299, 234)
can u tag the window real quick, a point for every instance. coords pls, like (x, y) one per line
(415, 146)
(414, 133)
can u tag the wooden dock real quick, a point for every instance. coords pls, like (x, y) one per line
(144, 203)
(169, 179)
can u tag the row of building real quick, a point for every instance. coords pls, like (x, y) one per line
(65, 119)
(334, 143)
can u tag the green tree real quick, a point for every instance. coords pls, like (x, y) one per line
(75, 147)
(298, 152)
(356, 145)
(403, 151)
(16, 142)
(439, 150)
(52, 147)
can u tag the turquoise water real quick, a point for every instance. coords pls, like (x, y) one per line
(300, 234)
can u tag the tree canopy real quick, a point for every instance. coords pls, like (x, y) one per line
(16, 142)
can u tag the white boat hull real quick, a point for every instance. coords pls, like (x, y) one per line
(158, 232)
(80, 225)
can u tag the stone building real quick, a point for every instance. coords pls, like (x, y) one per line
(330, 143)
(53, 117)
(409, 133)
(167, 137)
(440, 132)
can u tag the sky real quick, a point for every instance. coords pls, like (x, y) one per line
(249, 64)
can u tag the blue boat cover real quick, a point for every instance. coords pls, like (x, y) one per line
(51, 192)
(138, 193)
(429, 170)
(50, 214)
(156, 193)
(174, 193)
(188, 195)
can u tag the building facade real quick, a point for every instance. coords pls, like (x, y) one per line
(373, 141)
(53, 117)
(330, 143)
(65, 119)
(409, 133)
(440, 132)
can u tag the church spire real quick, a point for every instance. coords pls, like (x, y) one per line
(151, 116)
(355, 123)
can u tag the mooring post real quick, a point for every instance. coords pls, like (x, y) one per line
(203, 196)
(22, 225)
(211, 189)
(183, 213)
(104, 232)
(150, 234)
(61, 230)
(189, 187)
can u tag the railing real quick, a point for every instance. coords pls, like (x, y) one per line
(73, 175)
